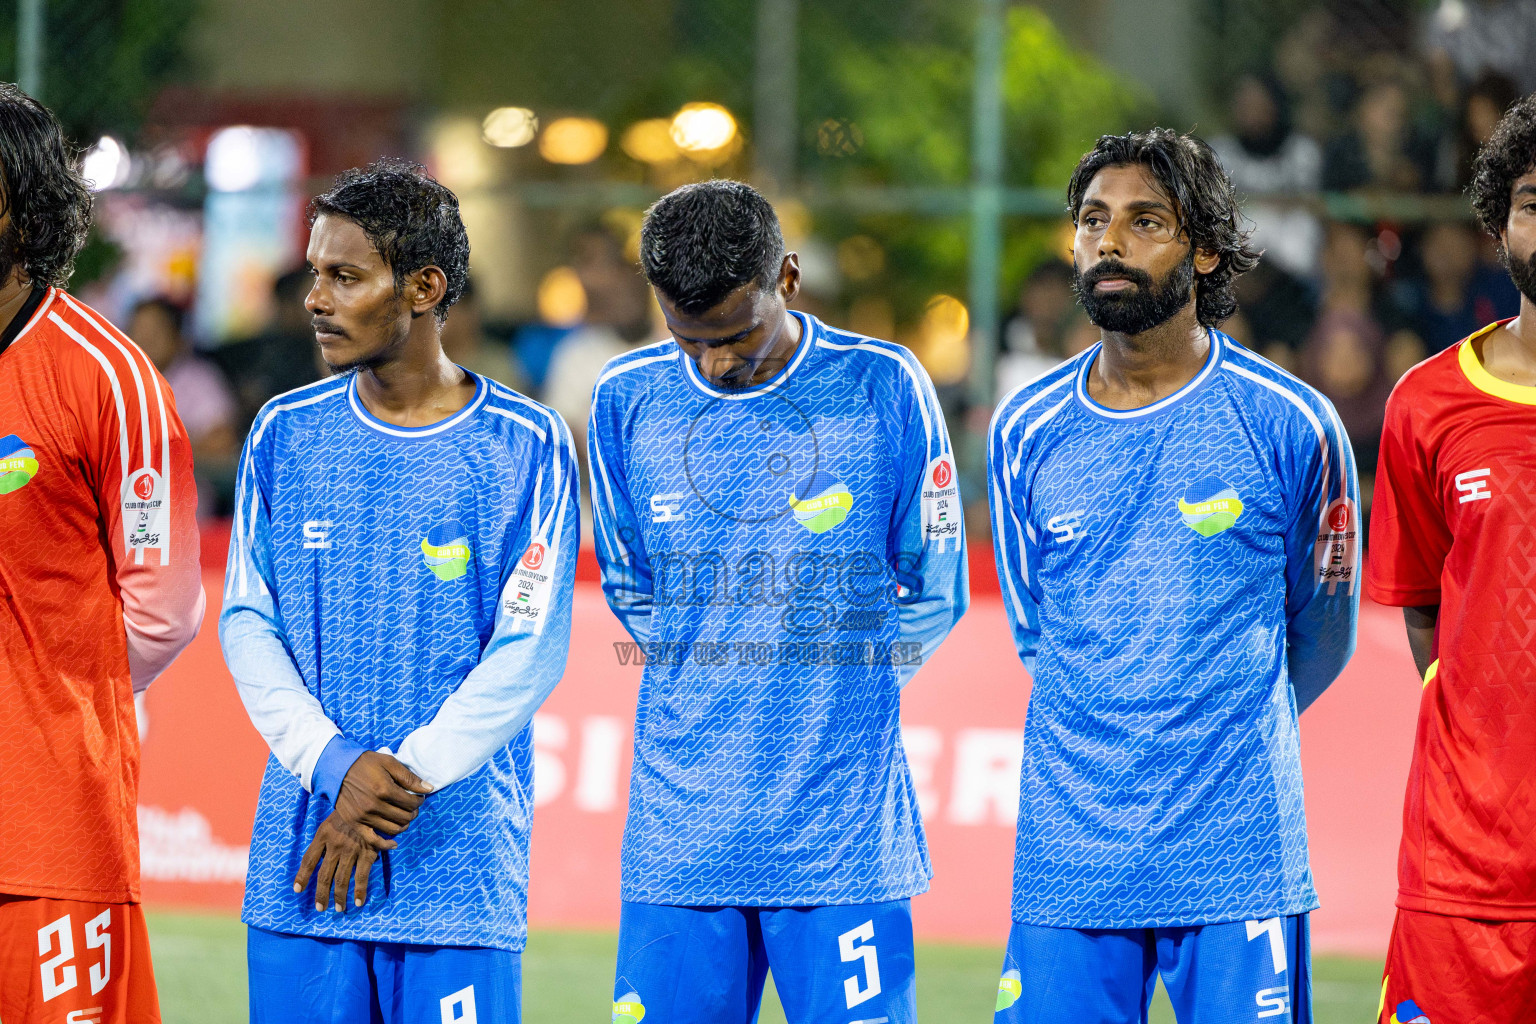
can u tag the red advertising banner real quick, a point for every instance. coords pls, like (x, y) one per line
(963, 719)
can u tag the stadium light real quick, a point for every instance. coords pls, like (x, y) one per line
(106, 165)
(706, 132)
(233, 163)
(650, 141)
(562, 300)
(509, 127)
(573, 140)
(945, 337)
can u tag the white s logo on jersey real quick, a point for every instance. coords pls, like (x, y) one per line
(1066, 527)
(664, 507)
(1473, 485)
(317, 533)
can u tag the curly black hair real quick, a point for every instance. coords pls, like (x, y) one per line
(701, 242)
(1204, 200)
(411, 219)
(1508, 155)
(48, 201)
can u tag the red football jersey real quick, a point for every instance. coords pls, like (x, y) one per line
(100, 588)
(1454, 525)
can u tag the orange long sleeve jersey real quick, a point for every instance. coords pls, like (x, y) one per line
(100, 588)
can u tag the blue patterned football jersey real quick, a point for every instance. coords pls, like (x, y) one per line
(408, 590)
(1180, 579)
(785, 557)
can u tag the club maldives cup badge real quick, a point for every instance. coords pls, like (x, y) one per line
(941, 502)
(18, 464)
(527, 593)
(146, 514)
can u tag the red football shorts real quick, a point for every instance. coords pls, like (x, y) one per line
(1454, 970)
(68, 962)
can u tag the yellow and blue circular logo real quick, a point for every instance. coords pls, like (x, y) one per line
(628, 1009)
(1408, 1012)
(445, 549)
(1209, 506)
(1009, 988)
(18, 464)
(827, 503)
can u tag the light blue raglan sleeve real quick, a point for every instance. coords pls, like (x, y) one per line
(281, 706)
(525, 656)
(1013, 544)
(1322, 605)
(927, 549)
(626, 570)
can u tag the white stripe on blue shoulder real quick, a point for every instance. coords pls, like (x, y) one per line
(908, 362)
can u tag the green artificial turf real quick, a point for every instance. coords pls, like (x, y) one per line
(568, 977)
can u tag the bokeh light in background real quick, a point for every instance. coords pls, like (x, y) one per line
(106, 165)
(706, 133)
(650, 141)
(860, 258)
(943, 341)
(458, 155)
(509, 127)
(573, 140)
(562, 300)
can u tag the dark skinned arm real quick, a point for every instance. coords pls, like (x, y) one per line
(1420, 623)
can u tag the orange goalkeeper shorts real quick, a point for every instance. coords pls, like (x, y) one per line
(69, 962)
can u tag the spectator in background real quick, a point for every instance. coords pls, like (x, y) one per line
(618, 318)
(466, 343)
(1485, 102)
(1034, 337)
(280, 358)
(1273, 167)
(203, 399)
(1457, 293)
(1275, 312)
(1380, 151)
(1348, 355)
(1466, 38)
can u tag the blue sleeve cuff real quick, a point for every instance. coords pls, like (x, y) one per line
(335, 761)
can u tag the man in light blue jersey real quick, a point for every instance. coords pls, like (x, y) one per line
(779, 528)
(397, 607)
(1175, 522)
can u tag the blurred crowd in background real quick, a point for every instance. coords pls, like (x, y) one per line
(1349, 135)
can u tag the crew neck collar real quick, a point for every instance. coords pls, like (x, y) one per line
(1213, 357)
(431, 430)
(1478, 376)
(808, 334)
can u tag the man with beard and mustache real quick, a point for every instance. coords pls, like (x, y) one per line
(1174, 520)
(1453, 531)
(397, 608)
(99, 591)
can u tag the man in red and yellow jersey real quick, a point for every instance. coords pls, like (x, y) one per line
(1453, 542)
(99, 590)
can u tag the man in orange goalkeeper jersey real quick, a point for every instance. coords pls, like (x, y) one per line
(99, 591)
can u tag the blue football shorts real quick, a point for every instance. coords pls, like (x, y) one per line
(296, 979)
(706, 965)
(1240, 972)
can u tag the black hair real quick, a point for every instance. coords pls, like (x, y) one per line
(1509, 154)
(703, 241)
(1204, 199)
(48, 201)
(171, 309)
(411, 219)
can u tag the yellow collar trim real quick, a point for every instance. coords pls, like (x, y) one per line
(1484, 381)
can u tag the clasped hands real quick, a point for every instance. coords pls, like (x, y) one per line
(379, 798)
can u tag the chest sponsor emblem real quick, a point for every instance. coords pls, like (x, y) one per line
(1209, 506)
(826, 504)
(18, 464)
(628, 1009)
(445, 549)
